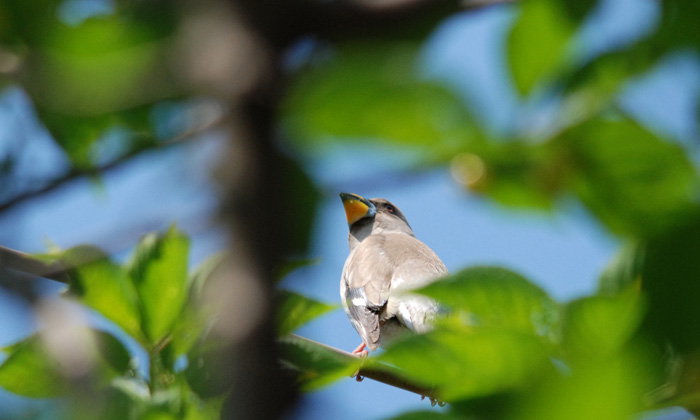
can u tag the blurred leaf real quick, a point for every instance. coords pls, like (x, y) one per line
(578, 10)
(537, 45)
(516, 173)
(496, 297)
(316, 365)
(112, 352)
(30, 372)
(612, 389)
(624, 272)
(105, 287)
(600, 326)
(295, 310)
(597, 81)
(678, 27)
(193, 320)
(463, 364)
(373, 91)
(671, 279)
(204, 374)
(428, 415)
(104, 65)
(158, 268)
(634, 182)
(81, 136)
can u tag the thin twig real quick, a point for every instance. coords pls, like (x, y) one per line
(101, 169)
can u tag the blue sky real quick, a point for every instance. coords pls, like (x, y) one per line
(563, 251)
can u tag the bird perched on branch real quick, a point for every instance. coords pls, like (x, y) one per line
(386, 262)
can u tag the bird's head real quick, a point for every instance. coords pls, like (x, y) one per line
(374, 215)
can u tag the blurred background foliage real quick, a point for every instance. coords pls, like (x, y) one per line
(109, 80)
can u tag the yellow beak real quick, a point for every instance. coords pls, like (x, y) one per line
(357, 207)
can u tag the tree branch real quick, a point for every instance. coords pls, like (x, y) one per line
(385, 374)
(25, 263)
(101, 169)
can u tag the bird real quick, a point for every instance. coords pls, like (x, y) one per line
(386, 262)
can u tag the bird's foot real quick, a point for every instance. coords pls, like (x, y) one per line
(362, 352)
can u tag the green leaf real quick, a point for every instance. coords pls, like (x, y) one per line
(468, 364)
(634, 182)
(374, 91)
(624, 272)
(159, 270)
(316, 365)
(295, 310)
(537, 44)
(611, 389)
(105, 287)
(600, 326)
(112, 352)
(428, 415)
(30, 371)
(578, 10)
(193, 320)
(670, 272)
(514, 173)
(496, 297)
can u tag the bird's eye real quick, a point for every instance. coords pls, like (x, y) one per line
(390, 209)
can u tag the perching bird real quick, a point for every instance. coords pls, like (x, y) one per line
(386, 262)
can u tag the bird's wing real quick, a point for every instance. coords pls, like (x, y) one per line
(365, 287)
(415, 266)
(375, 277)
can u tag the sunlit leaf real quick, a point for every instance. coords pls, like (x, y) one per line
(373, 91)
(30, 372)
(463, 364)
(105, 287)
(599, 326)
(607, 390)
(159, 270)
(496, 297)
(537, 44)
(295, 310)
(316, 365)
(634, 182)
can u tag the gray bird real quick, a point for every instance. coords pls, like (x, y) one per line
(386, 262)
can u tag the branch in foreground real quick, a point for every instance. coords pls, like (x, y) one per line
(379, 372)
(25, 263)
